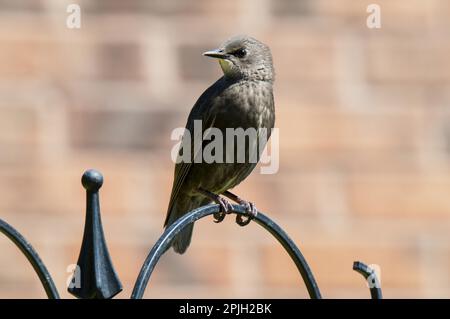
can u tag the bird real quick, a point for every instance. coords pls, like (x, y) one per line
(241, 98)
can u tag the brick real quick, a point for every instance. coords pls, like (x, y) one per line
(407, 60)
(322, 130)
(110, 54)
(289, 8)
(17, 6)
(335, 266)
(119, 129)
(364, 143)
(16, 62)
(18, 128)
(414, 195)
(193, 65)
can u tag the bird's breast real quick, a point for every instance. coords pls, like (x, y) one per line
(245, 104)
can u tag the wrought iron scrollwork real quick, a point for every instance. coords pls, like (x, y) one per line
(371, 277)
(33, 257)
(165, 240)
(95, 277)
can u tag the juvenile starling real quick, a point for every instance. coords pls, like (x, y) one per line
(241, 98)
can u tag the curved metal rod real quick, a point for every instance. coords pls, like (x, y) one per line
(32, 256)
(372, 280)
(165, 241)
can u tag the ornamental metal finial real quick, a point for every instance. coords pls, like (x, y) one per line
(94, 276)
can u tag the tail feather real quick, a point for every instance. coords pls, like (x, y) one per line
(180, 207)
(183, 240)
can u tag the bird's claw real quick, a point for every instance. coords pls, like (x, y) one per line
(225, 208)
(251, 214)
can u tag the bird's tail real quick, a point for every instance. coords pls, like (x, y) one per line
(182, 241)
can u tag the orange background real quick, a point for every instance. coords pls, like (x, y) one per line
(364, 123)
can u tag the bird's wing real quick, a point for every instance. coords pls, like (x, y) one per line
(198, 112)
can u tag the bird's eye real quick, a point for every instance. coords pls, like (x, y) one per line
(240, 53)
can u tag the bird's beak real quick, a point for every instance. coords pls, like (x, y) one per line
(218, 54)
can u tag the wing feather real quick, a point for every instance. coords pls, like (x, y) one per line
(198, 112)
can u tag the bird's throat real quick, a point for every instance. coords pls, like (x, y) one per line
(226, 66)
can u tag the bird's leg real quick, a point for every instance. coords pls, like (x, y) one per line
(249, 207)
(225, 205)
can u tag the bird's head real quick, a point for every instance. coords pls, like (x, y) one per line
(244, 57)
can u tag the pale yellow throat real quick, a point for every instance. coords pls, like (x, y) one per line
(226, 66)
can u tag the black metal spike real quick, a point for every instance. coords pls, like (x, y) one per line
(95, 277)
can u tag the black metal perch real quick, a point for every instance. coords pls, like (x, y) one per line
(95, 276)
(371, 277)
(33, 257)
(165, 240)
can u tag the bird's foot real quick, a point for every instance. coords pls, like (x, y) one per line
(251, 214)
(249, 207)
(225, 206)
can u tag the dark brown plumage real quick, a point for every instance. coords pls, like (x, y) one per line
(241, 98)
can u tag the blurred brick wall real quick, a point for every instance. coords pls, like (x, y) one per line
(364, 124)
